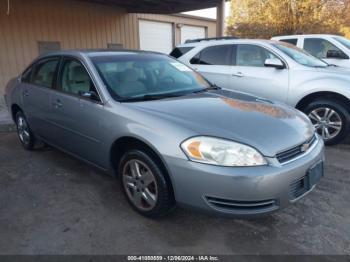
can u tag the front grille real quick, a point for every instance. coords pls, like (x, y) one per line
(294, 152)
(242, 206)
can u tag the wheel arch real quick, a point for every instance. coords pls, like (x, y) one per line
(323, 95)
(14, 110)
(122, 144)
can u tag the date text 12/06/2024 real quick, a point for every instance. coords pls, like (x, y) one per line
(173, 258)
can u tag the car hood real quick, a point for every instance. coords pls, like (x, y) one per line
(267, 126)
(335, 70)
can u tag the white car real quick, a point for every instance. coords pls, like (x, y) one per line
(331, 48)
(277, 71)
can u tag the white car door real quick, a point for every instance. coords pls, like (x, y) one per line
(250, 74)
(214, 63)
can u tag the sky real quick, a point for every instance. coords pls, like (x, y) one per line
(210, 12)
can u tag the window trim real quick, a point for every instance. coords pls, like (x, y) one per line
(212, 46)
(264, 47)
(58, 87)
(33, 68)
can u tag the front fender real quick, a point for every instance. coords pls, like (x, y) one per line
(165, 142)
(324, 84)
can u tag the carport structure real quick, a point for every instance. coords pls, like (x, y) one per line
(171, 7)
(29, 28)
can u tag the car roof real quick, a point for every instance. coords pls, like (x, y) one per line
(96, 52)
(307, 35)
(230, 41)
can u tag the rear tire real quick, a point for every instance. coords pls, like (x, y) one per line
(25, 135)
(330, 118)
(144, 184)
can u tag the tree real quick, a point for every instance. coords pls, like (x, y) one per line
(266, 18)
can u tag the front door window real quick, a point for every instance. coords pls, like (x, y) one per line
(319, 47)
(252, 55)
(75, 79)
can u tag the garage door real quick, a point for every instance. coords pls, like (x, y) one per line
(156, 36)
(192, 32)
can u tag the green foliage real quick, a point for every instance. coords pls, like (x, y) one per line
(267, 18)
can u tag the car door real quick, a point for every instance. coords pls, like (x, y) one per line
(78, 112)
(321, 48)
(250, 74)
(37, 83)
(214, 63)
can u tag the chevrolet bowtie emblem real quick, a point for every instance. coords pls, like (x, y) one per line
(305, 147)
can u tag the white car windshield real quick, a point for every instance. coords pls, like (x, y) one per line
(345, 42)
(300, 56)
(132, 76)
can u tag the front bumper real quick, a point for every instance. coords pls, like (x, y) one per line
(242, 191)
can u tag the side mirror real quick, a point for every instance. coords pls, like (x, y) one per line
(90, 95)
(274, 62)
(336, 54)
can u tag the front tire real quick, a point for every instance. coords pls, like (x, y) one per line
(330, 118)
(144, 184)
(25, 135)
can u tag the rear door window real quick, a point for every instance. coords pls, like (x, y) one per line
(214, 55)
(180, 51)
(292, 41)
(27, 75)
(45, 72)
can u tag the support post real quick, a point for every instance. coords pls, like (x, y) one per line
(220, 18)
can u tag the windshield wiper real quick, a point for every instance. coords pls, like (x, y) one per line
(321, 66)
(148, 97)
(211, 87)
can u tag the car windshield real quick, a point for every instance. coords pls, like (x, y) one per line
(300, 56)
(138, 76)
(343, 41)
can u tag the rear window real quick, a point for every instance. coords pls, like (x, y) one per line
(44, 72)
(214, 55)
(180, 51)
(292, 41)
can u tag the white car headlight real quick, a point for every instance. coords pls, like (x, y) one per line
(221, 152)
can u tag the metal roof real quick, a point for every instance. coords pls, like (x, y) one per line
(159, 6)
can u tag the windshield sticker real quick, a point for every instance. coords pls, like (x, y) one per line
(180, 66)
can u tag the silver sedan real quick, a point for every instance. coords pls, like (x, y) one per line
(167, 133)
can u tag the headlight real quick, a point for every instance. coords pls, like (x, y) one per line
(221, 152)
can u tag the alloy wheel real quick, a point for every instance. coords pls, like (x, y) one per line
(23, 130)
(140, 185)
(327, 122)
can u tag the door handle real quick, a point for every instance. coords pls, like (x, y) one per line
(238, 74)
(25, 93)
(57, 103)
